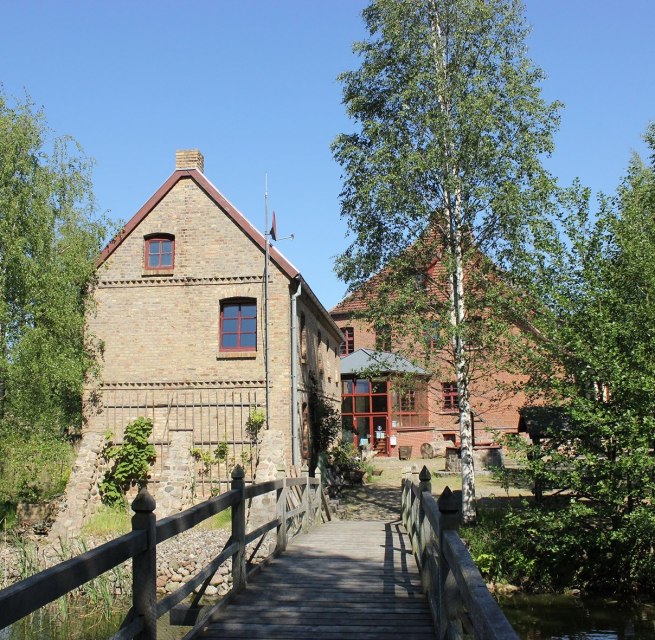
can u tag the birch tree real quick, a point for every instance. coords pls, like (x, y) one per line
(445, 163)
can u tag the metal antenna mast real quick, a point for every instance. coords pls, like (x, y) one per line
(266, 354)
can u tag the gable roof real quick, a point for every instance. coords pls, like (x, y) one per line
(382, 361)
(234, 214)
(218, 198)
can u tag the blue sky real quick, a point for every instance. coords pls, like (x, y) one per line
(252, 84)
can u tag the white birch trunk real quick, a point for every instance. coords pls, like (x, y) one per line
(456, 290)
(457, 316)
(462, 369)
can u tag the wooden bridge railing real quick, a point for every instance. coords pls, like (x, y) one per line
(460, 602)
(299, 503)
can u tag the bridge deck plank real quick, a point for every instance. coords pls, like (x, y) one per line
(350, 579)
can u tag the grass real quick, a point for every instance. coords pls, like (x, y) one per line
(108, 522)
(115, 522)
(222, 520)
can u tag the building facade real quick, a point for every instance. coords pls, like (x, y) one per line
(417, 409)
(181, 320)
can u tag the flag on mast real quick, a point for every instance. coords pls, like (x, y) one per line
(273, 232)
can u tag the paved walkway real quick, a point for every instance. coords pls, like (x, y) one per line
(345, 579)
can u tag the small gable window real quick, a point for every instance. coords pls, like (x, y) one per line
(160, 251)
(238, 326)
(348, 345)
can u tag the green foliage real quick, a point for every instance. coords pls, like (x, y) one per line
(220, 453)
(34, 465)
(204, 456)
(590, 301)
(131, 462)
(444, 165)
(256, 420)
(325, 419)
(49, 239)
(8, 518)
(565, 545)
(344, 457)
(81, 612)
(222, 520)
(449, 119)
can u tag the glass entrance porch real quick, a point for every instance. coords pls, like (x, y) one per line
(365, 413)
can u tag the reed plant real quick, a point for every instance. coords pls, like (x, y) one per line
(80, 613)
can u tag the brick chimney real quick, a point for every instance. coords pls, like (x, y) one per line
(189, 159)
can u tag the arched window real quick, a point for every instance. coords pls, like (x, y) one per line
(159, 251)
(238, 325)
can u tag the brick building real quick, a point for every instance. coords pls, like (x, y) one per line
(180, 315)
(423, 409)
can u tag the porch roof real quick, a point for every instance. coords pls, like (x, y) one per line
(380, 362)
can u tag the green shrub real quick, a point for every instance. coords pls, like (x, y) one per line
(131, 462)
(344, 457)
(256, 420)
(34, 464)
(565, 545)
(221, 451)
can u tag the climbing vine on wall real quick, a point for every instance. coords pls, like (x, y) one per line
(325, 419)
(131, 462)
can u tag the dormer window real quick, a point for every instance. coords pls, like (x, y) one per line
(160, 251)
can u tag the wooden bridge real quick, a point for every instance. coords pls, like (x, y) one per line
(339, 579)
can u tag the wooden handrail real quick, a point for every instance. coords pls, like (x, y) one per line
(457, 594)
(185, 520)
(26, 596)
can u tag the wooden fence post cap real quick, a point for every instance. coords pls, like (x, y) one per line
(425, 474)
(144, 502)
(238, 473)
(449, 501)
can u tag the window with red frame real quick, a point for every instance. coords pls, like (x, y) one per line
(449, 396)
(160, 251)
(348, 345)
(238, 331)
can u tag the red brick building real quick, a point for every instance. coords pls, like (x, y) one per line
(423, 410)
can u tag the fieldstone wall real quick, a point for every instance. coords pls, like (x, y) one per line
(272, 460)
(173, 491)
(82, 497)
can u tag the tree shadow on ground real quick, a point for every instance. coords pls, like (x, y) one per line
(380, 502)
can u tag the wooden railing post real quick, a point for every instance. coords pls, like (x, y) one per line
(403, 498)
(413, 505)
(144, 565)
(239, 530)
(317, 496)
(305, 522)
(281, 511)
(424, 531)
(449, 504)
